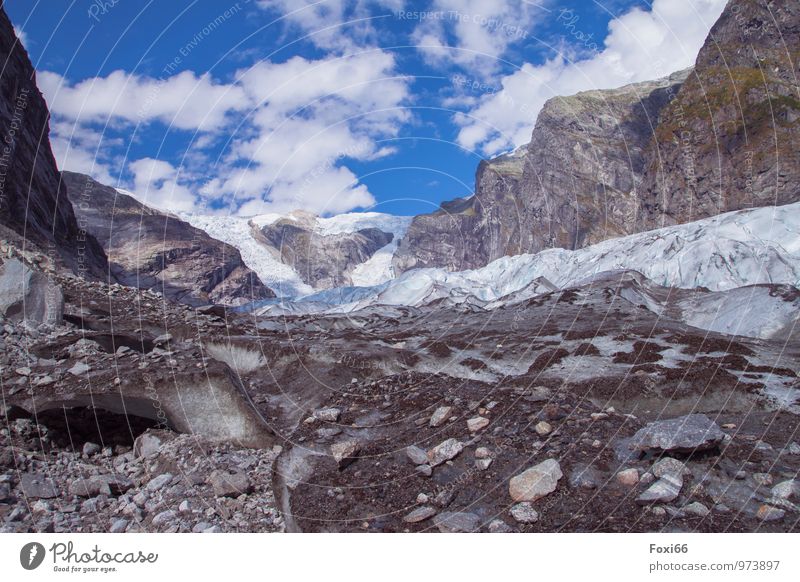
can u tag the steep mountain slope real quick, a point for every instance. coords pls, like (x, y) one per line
(731, 137)
(603, 164)
(33, 202)
(149, 249)
(574, 184)
(299, 253)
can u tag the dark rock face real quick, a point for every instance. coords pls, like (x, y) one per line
(731, 137)
(33, 202)
(322, 261)
(149, 249)
(575, 184)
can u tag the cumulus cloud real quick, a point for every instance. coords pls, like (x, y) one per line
(311, 116)
(290, 129)
(641, 45)
(342, 26)
(155, 183)
(184, 101)
(474, 34)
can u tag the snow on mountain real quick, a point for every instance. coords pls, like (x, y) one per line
(728, 251)
(238, 232)
(283, 279)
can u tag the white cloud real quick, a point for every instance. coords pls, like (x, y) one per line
(342, 26)
(82, 149)
(641, 45)
(313, 115)
(481, 32)
(23, 38)
(155, 183)
(185, 101)
(290, 128)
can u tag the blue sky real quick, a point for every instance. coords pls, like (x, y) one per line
(256, 106)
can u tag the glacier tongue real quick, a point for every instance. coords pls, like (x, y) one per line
(731, 250)
(282, 278)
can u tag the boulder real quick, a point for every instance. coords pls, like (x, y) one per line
(535, 482)
(345, 452)
(229, 484)
(420, 514)
(440, 416)
(37, 486)
(416, 455)
(29, 295)
(444, 451)
(685, 434)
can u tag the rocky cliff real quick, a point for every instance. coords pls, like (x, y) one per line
(575, 183)
(731, 137)
(603, 164)
(33, 202)
(149, 249)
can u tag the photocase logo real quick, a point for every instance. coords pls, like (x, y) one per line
(31, 555)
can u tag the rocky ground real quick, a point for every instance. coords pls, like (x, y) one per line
(134, 413)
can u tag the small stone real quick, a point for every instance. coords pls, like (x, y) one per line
(729, 426)
(666, 489)
(90, 449)
(444, 451)
(668, 466)
(598, 416)
(794, 449)
(420, 514)
(543, 428)
(769, 513)
(79, 369)
(482, 453)
(696, 508)
(422, 498)
(424, 470)
(184, 507)
(163, 339)
(417, 455)
(345, 452)
(524, 513)
(482, 464)
(628, 477)
(37, 486)
(440, 416)
(227, 484)
(119, 526)
(157, 483)
(164, 517)
(327, 414)
(89, 487)
(658, 511)
(147, 445)
(23, 371)
(477, 423)
(457, 522)
(536, 482)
